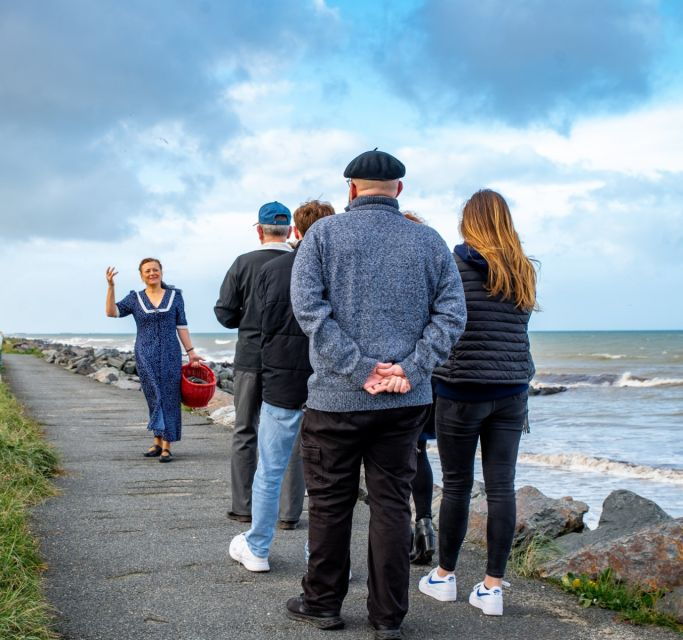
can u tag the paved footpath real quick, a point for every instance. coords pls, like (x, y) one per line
(139, 550)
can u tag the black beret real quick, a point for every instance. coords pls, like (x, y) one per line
(375, 165)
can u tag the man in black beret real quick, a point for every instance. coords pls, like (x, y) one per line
(375, 165)
(381, 301)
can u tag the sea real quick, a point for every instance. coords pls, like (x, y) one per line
(619, 425)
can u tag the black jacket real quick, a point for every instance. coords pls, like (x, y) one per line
(494, 349)
(284, 347)
(235, 308)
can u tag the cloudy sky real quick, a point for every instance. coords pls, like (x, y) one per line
(159, 127)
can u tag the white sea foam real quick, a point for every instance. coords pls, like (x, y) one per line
(608, 356)
(584, 463)
(628, 380)
(223, 341)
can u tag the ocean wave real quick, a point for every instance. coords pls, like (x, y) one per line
(626, 379)
(223, 341)
(608, 356)
(583, 463)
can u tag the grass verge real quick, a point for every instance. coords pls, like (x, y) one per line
(634, 604)
(9, 344)
(26, 464)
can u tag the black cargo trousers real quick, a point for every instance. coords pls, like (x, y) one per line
(333, 445)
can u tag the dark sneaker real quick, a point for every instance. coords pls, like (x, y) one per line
(383, 632)
(288, 525)
(238, 517)
(326, 620)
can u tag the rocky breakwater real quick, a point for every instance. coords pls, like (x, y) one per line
(109, 366)
(118, 368)
(637, 540)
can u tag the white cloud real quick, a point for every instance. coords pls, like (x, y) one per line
(587, 224)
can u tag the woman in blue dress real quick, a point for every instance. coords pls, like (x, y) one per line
(159, 314)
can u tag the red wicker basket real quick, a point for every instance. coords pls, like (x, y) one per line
(197, 395)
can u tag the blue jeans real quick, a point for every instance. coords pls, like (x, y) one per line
(277, 432)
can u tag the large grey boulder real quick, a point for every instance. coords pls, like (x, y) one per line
(537, 515)
(106, 375)
(623, 512)
(129, 367)
(651, 557)
(127, 383)
(116, 361)
(50, 355)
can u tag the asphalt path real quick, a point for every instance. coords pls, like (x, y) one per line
(139, 550)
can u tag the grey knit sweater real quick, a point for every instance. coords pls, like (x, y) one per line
(370, 286)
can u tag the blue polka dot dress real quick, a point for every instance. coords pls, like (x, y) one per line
(158, 357)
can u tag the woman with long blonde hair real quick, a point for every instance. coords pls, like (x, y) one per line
(482, 394)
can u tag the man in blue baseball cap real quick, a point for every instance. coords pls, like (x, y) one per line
(237, 308)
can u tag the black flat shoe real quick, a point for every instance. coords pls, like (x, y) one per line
(238, 517)
(327, 620)
(168, 458)
(288, 525)
(424, 542)
(387, 633)
(153, 452)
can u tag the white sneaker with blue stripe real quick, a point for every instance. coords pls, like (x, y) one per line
(440, 588)
(490, 601)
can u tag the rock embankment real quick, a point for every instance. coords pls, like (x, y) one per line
(637, 540)
(109, 366)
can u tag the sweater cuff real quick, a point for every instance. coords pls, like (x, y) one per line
(363, 370)
(412, 373)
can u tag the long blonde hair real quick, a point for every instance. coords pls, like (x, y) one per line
(487, 226)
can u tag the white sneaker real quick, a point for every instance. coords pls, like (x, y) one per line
(444, 589)
(240, 551)
(490, 601)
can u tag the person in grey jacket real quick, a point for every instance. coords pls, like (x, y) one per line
(382, 303)
(237, 308)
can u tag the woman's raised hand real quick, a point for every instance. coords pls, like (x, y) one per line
(110, 275)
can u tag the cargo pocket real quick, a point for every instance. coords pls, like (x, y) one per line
(313, 471)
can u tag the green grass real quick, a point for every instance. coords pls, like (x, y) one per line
(634, 604)
(527, 558)
(8, 347)
(26, 464)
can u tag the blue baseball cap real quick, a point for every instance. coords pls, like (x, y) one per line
(271, 211)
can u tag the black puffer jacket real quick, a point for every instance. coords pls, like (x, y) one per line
(284, 347)
(494, 349)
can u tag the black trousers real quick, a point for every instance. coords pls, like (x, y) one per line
(459, 425)
(333, 445)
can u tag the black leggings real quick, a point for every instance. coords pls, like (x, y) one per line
(459, 425)
(423, 483)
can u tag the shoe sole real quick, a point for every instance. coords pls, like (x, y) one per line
(327, 624)
(436, 596)
(475, 602)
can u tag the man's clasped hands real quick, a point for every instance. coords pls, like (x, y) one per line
(387, 378)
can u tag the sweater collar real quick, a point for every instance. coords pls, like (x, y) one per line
(280, 246)
(373, 202)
